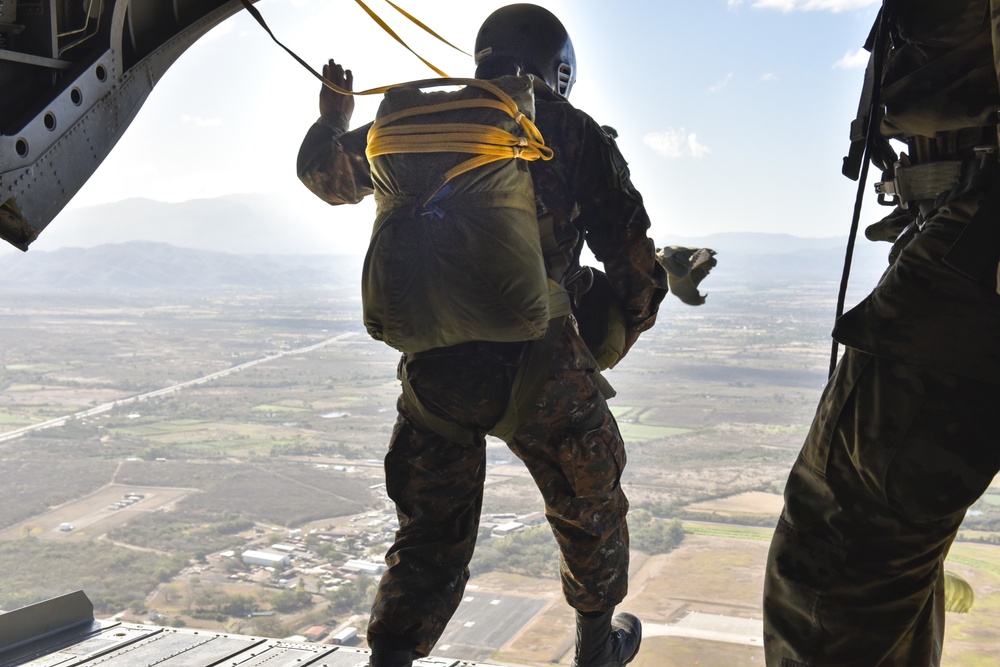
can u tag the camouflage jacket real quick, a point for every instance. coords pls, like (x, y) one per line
(586, 188)
(939, 80)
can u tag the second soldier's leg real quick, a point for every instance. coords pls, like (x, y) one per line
(894, 458)
(574, 451)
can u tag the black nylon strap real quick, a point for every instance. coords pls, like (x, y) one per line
(260, 19)
(863, 135)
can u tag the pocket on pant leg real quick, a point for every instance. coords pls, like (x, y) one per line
(592, 460)
(816, 449)
(800, 569)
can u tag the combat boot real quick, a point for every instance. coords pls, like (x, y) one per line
(606, 640)
(391, 658)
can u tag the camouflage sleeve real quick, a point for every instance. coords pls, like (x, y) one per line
(616, 226)
(332, 162)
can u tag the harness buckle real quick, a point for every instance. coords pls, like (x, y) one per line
(890, 188)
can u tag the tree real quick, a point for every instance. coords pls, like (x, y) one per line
(170, 592)
(287, 601)
(653, 536)
(236, 605)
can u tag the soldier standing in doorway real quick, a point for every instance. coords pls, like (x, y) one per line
(906, 435)
(569, 440)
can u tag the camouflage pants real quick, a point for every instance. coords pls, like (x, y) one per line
(572, 448)
(895, 455)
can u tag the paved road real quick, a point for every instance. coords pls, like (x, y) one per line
(105, 407)
(713, 627)
(484, 623)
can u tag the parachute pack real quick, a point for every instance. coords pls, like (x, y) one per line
(455, 254)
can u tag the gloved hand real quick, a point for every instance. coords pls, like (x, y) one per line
(686, 268)
(889, 227)
(332, 103)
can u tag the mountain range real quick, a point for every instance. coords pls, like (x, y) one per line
(258, 242)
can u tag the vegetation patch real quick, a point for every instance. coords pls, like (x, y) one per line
(7, 418)
(33, 487)
(643, 432)
(113, 577)
(187, 533)
(288, 495)
(737, 532)
(751, 502)
(992, 567)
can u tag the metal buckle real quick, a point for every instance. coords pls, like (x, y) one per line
(887, 189)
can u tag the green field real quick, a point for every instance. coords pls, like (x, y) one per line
(7, 418)
(721, 530)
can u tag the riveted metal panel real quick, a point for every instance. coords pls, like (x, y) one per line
(173, 648)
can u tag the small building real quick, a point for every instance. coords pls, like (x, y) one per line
(363, 567)
(504, 529)
(266, 559)
(315, 633)
(345, 637)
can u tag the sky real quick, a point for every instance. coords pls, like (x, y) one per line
(733, 114)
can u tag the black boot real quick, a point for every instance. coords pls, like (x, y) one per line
(391, 658)
(606, 641)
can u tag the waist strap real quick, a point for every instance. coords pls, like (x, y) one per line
(921, 181)
(939, 182)
(523, 200)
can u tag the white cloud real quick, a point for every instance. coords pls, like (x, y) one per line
(201, 122)
(834, 6)
(673, 143)
(769, 76)
(716, 87)
(853, 60)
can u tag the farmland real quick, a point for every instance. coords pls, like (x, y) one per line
(255, 419)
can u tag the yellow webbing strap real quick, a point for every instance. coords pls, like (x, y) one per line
(385, 26)
(329, 84)
(416, 21)
(488, 143)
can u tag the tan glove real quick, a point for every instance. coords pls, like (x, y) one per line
(686, 268)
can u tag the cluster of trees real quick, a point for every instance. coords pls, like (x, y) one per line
(353, 597)
(530, 551)
(533, 552)
(984, 517)
(192, 533)
(292, 600)
(113, 577)
(653, 536)
(28, 489)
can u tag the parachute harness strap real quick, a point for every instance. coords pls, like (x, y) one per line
(375, 17)
(487, 143)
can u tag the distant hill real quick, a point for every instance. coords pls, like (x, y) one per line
(239, 224)
(141, 265)
(158, 266)
(259, 242)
